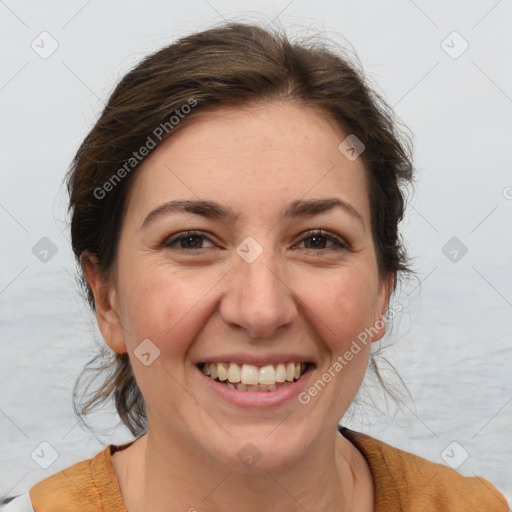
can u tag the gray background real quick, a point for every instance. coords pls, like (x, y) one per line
(452, 345)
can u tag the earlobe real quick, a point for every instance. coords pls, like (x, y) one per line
(105, 300)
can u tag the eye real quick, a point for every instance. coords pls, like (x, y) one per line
(188, 240)
(194, 240)
(319, 238)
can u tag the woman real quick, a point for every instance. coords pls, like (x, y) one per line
(235, 214)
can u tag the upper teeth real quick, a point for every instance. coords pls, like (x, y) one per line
(250, 374)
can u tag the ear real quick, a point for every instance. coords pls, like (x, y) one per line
(385, 289)
(106, 303)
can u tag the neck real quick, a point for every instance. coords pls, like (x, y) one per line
(175, 476)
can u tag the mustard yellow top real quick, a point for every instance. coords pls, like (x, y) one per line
(403, 482)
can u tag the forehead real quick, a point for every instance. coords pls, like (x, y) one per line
(254, 158)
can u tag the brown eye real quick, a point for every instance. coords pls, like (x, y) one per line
(188, 240)
(319, 239)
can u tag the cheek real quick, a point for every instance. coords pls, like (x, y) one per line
(169, 309)
(165, 306)
(339, 310)
(342, 307)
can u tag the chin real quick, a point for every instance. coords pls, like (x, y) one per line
(258, 452)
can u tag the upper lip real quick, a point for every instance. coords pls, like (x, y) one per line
(257, 360)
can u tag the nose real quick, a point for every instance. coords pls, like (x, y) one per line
(258, 299)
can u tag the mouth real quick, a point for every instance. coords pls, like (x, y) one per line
(248, 377)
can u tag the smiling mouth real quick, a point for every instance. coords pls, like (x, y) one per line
(248, 377)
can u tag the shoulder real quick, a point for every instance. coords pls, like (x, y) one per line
(89, 486)
(414, 483)
(68, 488)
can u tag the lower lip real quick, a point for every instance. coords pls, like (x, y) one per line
(258, 398)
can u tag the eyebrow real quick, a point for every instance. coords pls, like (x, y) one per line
(214, 210)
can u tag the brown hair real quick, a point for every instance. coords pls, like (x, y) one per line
(234, 64)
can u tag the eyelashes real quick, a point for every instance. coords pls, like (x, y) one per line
(193, 237)
(337, 242)
(184, 236)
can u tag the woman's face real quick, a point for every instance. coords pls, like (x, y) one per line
(251, 285)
